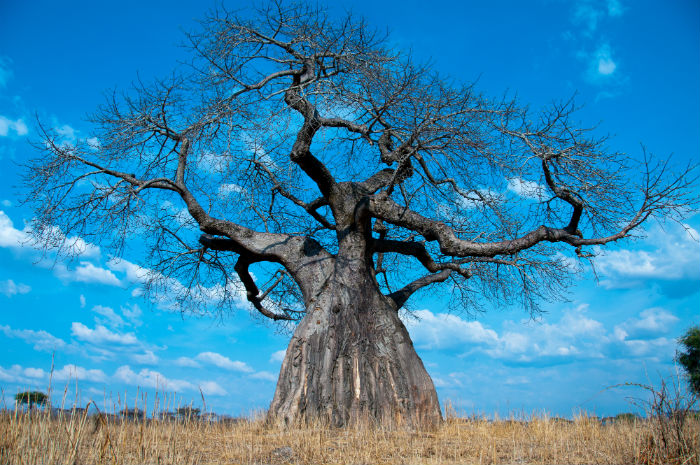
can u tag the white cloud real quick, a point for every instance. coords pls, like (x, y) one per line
(146, 358)
(589, 13)
(86, 272)
(651, 323)
(442, 331)
(604, 63)
(6, 203)
(650, 349)
(278, 356)
(670, 254)
(23, 376)
(78, 247)
(264, 375)
(134, 273)
(101, 335)
(9, 288)
(9, 235)
(153, 379)
(224, 362)
(601, 67)
(18, 374)
(213, 162)
(82, 301)
(526, 189)
(132, 313)
(40, 339)
(73, 372)
(226, 190)
(573, 336)
(67, 135)
(211, 388)
(34, 373)
(8, 126)
(93, 143)
(186, 362)
(111, 317)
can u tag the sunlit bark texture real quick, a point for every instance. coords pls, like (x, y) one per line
(302, 163)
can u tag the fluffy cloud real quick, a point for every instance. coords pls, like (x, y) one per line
(67, 135)
(73, 372)
(590, 12)
(8, 126)
(575, 336)
(278, 356)
(651, 323)
(14, 238)
(110, 316)
(132, 313)
(646, 335)
(145, 358)
(19, 375)
(10, 237)
(153, 379)
(526, 189)
(211, 388)
(445, 331)
(226, 190)
(603, 62)
(667, 257)
(265, 376)
(86, 272)
(134, 273)
(186, 362)
(9, 288)
(23, 376)
(222, 361)
(40, 339)
(101, 335)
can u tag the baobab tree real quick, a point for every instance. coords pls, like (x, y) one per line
(304, 151)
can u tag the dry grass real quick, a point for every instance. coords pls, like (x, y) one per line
(39, 437)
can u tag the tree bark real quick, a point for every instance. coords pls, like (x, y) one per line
(351, 357)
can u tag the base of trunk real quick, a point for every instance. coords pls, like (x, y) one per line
(349, 362)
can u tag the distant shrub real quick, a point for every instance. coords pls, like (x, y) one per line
(31, 398)
(689, 358)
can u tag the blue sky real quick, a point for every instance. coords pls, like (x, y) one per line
(635, 67)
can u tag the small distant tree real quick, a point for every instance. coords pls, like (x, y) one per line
(31, 398)
(188, 412)
(132, 413)
(689, 358)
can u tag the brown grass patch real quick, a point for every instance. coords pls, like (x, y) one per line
(76, 437)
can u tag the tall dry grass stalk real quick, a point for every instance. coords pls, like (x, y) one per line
(73, 437)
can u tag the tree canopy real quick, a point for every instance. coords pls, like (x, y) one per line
(277, 110)
(31, 398)
(689, 356)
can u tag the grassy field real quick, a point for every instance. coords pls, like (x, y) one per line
(76, 437)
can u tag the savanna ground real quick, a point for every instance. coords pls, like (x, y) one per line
(75, 437)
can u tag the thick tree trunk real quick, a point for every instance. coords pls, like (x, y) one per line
(351, 358)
